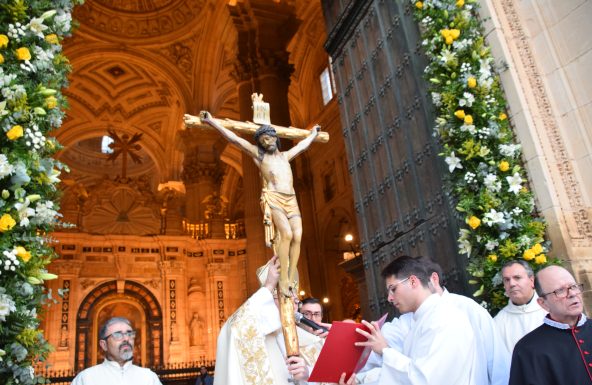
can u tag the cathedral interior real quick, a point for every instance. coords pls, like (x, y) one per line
(165, 225)
(162, 220)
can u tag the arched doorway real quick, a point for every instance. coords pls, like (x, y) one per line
(126, 299)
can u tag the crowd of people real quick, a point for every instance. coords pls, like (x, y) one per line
(541, 337)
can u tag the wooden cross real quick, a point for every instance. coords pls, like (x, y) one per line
(124, 146)
(249, 128)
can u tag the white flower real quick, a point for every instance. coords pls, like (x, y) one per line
(493, 217)
(24, 212)
(515, 182)
(492, 183)
(491, 244)
(37, 27)
(469, 127)
(467, 100)
(7, 306)
(5, 167)
(464, 244)
(509, 150)
(517, 211)
(436, 99)
(453, 162)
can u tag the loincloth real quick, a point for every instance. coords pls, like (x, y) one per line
(273, 200)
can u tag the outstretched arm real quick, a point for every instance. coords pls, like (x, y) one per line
(303, 144)
(233, 138)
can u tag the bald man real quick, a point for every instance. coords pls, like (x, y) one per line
(559, 351)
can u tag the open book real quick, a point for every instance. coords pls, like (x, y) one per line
(339, 354)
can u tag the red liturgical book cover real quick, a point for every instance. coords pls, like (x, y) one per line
(339, 354)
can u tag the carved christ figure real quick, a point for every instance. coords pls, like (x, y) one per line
(281, 215)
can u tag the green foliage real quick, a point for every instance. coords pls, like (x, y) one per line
(32, 73)
(483, 157)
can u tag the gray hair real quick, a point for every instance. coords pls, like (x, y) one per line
(111, 321)
(522, 263)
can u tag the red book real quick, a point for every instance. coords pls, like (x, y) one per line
(339, 354)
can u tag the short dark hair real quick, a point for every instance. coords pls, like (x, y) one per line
(311, 300)
(520, 262)
(433, 267)
(405, 266)
(109, 322)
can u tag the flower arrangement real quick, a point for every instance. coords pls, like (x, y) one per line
(33, 70)
(479, 148)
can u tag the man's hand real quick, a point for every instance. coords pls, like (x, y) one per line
(297, 368)
(273, 273)
(375, 338)
(320, 332)
(350, 381)
(205, 116)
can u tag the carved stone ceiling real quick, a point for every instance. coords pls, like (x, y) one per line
(138, 19)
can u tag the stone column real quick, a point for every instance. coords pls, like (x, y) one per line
(261, 66)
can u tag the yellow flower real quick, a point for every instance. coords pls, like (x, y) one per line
(468, 119)
(51, 102)
(459, 114)
(472, 82)
(15, 132)
(460, 3)
(450, 35)
(528, 255)
(503, 116)
(449, 40)
(504, 166)
(540, 259)
(474, 222)
(455, 33)
(492, 258)
(537, 248)
(23, 253)
(23, 53)
(6, 223)
(3, 41)
(419, 5)
(52, 39)
(1, 59)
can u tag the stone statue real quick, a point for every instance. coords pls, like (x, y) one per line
(281, 215)
(196, 326)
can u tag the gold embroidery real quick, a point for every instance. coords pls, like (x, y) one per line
(253, 359)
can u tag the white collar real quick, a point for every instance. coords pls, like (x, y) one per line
(431, 301)
(561, 325)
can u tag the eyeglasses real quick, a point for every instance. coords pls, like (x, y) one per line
(310, 314)
(563, 292)
(392, 288)
(118, 336)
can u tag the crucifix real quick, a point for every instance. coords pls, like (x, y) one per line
(281, 215)
(124, 146)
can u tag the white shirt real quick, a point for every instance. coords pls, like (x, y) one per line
(440, 349)
(493, 360)
(110, 372)
(515, 321)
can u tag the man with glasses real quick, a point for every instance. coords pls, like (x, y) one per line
(560, 350)
(440, 348)
(312, 309)
(522, 314)
(116, 339)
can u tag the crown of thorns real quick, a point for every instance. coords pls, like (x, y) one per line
(264, 130)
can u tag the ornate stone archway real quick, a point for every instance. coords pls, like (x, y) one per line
(145, 313)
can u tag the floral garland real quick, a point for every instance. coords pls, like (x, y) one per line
(32, 72)
(479, 147)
